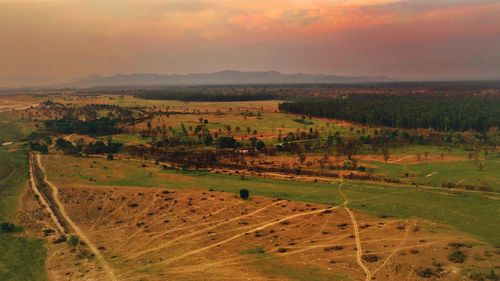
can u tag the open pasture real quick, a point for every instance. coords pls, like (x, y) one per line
(471, 212)
(158, 234)
(22, 258)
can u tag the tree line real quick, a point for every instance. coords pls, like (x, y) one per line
(205, 96)
(458, 113)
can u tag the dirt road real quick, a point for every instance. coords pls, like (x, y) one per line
(76, 229)
(359, 250)
(43, 200)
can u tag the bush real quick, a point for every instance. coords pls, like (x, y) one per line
(260, 145)
(244, 194)
(370, 257)
(7, 227)
(428, 272)
(110, 157)
(73, 240)
(457, 256)
(40, 147)
(227, 142)
(482, 276)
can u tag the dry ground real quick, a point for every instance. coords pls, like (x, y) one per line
(158, 234)
(10, 102)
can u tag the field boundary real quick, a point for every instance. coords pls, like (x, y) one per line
(42, 199)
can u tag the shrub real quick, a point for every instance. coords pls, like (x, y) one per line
(7, 227)
(73, 240)
(370, 258)
(429, 272)
(482, 276)
(208, 139)
(244, 194)
(260, 145)
(110, 157)
(457, 256)
(227, 142)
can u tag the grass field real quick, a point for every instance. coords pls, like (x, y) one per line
(435, 173)
(21, 258)
(474, 213)
(13, 173)
(257, 115)
(12, 129)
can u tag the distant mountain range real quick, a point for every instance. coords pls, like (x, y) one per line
(226, 77)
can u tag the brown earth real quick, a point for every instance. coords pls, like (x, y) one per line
(158, 234)
(412, 159)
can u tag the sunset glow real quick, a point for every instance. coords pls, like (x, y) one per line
(409, 39)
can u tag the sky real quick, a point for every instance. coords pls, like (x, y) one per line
(44, 41)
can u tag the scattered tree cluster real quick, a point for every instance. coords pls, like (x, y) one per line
(69, 125)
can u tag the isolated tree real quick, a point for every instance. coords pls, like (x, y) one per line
(385, 153)
(7, 227)
(350, 149)
(302, 157)
(260, 145)
(322, 162)
(478, 159)
(208, 139)
(73, 240)
(253, 141)
(419, 156)
(110, 157)
(244, 194)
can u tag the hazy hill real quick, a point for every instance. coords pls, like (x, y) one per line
(217, 78)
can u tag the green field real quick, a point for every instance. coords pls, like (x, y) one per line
(21, 258)
(12, 129)
(471, 212)
(436, 173)
(13, 173)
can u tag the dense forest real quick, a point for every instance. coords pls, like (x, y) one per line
(98, 127)
(444, 113)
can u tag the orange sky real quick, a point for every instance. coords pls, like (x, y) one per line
(56, 40)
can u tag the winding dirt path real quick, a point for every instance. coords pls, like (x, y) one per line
(77, 230)
(359, 250)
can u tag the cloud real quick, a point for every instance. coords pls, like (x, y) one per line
(66, 38)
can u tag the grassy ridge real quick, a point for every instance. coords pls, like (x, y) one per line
(474, 213)
(21, 258)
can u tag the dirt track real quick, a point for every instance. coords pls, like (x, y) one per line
(75, 228)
